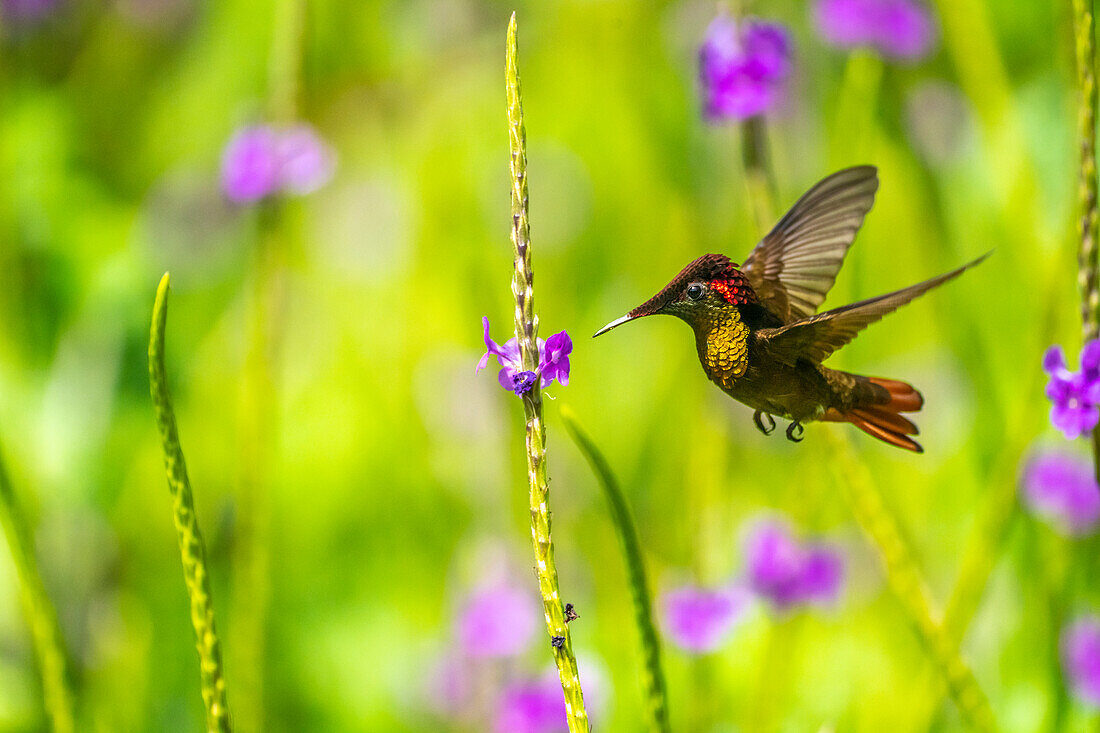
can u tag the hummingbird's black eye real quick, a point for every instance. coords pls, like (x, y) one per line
(696, 291)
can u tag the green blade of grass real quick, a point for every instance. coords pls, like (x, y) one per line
(906, 580)
(192, 548)
(40, 612)
(653, 679)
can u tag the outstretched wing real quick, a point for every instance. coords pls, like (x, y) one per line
(816, 337)
(793, 267)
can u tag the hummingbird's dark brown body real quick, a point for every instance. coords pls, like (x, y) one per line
(756, 328)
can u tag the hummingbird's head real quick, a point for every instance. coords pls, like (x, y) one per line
(710, 283)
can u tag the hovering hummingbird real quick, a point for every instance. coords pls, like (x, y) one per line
(757, 331)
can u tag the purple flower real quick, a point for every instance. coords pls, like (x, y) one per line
(743, 69)
(901, 29)
(1080, 648)
(250, 165)
(554, 358)
(1075, 395)
(1062, 488)
(553, 361)
(532, 706)
(26, 10)
(787, 573)
(306, 162)
(497, 621)
(260, 161)
(700, 620)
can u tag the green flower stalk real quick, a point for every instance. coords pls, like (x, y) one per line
(653, 679)
(1088, 274)
(759, 181)
(907, 583)
(527, 333)
(258, 399)
(192, 548)
(41, 616)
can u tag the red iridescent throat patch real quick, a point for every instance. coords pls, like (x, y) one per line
(735, 289)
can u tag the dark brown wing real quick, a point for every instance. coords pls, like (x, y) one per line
(794, 266)
(816, 337)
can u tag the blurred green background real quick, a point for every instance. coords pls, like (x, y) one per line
(397, 483)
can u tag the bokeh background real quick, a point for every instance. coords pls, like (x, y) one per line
(393, 476)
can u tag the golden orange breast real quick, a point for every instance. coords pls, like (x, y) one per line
(723, 348)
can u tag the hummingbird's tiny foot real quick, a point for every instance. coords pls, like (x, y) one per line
(758, 418)
(795, 431)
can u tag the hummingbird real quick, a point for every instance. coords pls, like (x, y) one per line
(758, 332)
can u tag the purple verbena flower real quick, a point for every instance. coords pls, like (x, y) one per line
(261, 160)
(743, 69)
(1075, 395)
(250, 165)
(700, 620)
(497, 621)
(26, 11)
(554, 358)
(1080, 647)
(1063, 489)
(532, 706)
(900, 29)
(785, 572)
(822, 574)
(553, 361)
(306, 162)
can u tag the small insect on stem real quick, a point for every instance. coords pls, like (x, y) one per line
(557, 641)
(570, 613)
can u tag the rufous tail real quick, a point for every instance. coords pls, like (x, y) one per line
(880, 415)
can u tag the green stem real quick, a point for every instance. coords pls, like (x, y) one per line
(259, 414)
(908, 585)
(653, 679)
(526, 322)
(759, 180)
(40, 613)
(192, 548)
(1088, 276)
(286, 59)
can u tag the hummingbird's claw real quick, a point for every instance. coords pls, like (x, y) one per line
(758, 418)
(794, 432)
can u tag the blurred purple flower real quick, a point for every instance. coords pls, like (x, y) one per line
(700, 620)
(260, 161)
(822, 574)
(1075, 395)
(901, 29)
(553, 361)
(1080, 648)
(26, 10)
(787, 573)
(1062, 488)
(250, 165)
(532, 706)
(497, 621)
(306, 162)
(743, 69)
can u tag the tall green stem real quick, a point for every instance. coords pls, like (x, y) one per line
(259, 404)
(40, 613)
(527, 333)
(905, 580)
(653, 679)
(192, 548)
(1088, 276)
(759, 180)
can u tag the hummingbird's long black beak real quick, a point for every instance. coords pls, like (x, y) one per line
(613, 324)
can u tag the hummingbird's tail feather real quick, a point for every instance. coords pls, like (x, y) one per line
(879, 412)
